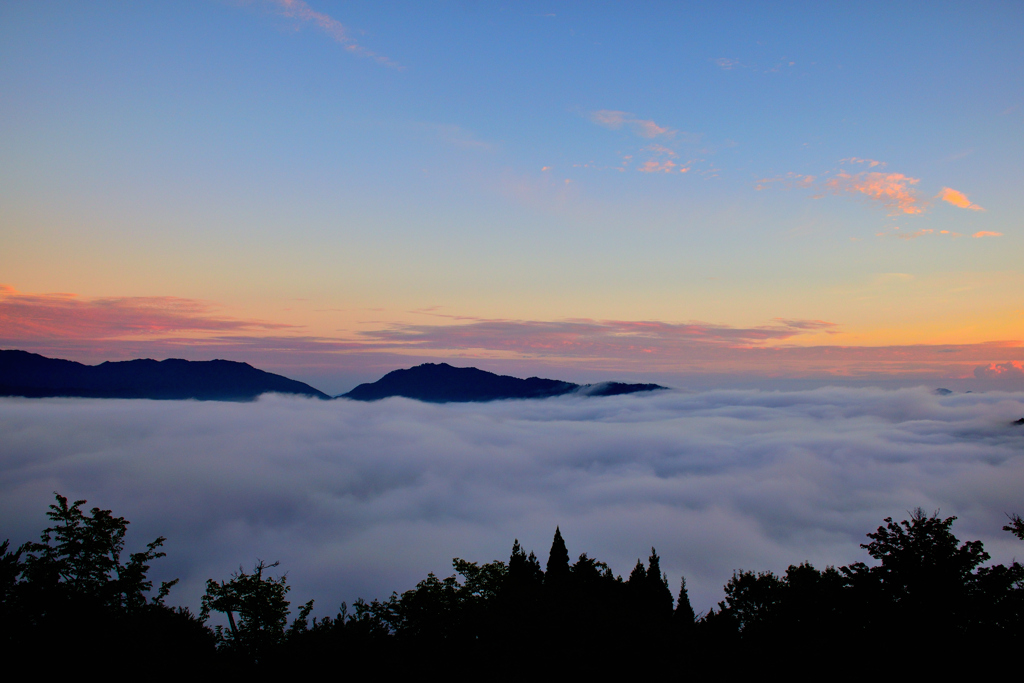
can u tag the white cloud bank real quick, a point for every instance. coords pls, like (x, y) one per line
(359, 499)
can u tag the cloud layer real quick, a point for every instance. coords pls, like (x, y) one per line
(360, 499)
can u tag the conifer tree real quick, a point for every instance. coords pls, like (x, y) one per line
(658, 591)
(637, 577)
(558, 561)
(523, 571)
(684, 615)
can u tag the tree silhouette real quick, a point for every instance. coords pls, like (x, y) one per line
(557, 571)
(261, 607)
(1016, 526)
(684, 615)
(78, 561)
(751, 601)
(658, 593)
(74, 587)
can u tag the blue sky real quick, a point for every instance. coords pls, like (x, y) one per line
(338, 169)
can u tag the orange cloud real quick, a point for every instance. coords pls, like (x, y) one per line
(891, 189)
(297, 9)
(645, 128)
(956, 198)
(986, 233)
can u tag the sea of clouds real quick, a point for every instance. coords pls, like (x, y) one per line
(361, 499)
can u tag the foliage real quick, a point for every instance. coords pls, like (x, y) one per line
(259, 601)
(78, 560)
(752, 600)
(74, 582)
(1016, 526)
(922, 552)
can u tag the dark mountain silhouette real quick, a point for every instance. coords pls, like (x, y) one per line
(29, 374)
(442, 383)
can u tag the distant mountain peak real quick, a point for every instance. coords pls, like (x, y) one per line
(444, 383)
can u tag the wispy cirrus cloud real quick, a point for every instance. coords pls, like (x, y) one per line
(644, 128)
(806, 324)
(957, 198)
(787, 181)
(987, 233)
(67, 316)
(914, 235)
(297, 9)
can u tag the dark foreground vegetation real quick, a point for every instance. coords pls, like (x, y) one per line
(69, 602)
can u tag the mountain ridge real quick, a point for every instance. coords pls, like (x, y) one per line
(34, 376)
(444, 383)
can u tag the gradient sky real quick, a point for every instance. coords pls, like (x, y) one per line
(330, 189)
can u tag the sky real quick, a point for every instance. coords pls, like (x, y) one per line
(361, 499)
(703, 194)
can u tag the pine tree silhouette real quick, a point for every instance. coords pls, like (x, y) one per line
(638, 577)
(658, 593)
(558, 561)
(684, 615)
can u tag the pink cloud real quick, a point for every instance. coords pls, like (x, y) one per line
(987, 233)
(656, 167)
(1011, 370)
(36, 316)
(891, 189)
(956, 198)
(615, 120)
(297, 9)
